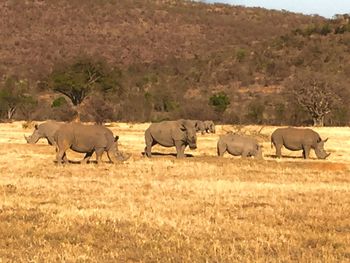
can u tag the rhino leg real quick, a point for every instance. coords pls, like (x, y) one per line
(221, 148)
(149, 143)
(51, 140)
(180, 149)
(99, 152)
(61, 153)
(258, 154)
(306, 152)
(86, 158)
(278, 150)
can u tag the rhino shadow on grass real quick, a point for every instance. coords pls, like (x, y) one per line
(274, 156)
(144, 154)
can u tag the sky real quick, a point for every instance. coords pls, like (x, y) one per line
(326, 8)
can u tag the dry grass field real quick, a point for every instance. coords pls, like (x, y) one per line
(198, 209)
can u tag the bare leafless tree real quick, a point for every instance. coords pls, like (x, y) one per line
(317, 97)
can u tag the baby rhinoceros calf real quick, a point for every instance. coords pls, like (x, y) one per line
(87, 139)
(238, 145)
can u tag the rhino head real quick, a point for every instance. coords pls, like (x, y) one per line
(199, 125)
(319, 150)
(35, 136)
(190, 133)
(114, 154)
(209, 126)
(258, 153)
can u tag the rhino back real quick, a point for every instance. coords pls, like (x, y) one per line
(49, 128)
(166, 132)
(237, 144)
(295, 138)
(85, 138)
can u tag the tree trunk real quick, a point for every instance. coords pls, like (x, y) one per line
(318, 121)
(10, 112)
(77, 113)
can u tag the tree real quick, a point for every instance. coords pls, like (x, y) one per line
(14, 95)
(77, 80)
(255, 111)
(316, 96)
(219, 102)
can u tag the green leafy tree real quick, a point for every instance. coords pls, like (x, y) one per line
(79, 79)
(219, 102)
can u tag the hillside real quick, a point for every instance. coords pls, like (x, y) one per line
(169, 53)
(37, 34)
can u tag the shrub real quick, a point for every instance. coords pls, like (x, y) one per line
(219, 102)
(240, 54)
(60, 101)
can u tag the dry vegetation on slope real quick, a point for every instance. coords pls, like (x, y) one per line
(192, 210)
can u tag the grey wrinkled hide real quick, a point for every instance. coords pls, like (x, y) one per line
(45, 130)
(296, 139)
(178, 133)
(209, 126)
(87, 139)
(238, 145)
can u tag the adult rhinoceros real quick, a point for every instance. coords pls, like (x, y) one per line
(296, 139)
(45, 130)
(178, 133)
(87, 139)
(238, 145)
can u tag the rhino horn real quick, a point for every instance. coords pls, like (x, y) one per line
(25, 137)
(325, 140)
(328, 155)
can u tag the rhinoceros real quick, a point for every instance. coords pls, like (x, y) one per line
(45, 130)
(209, 126)
(178, 133)
(199, 126)
(296, 139)
(238, 145)
(87, 139)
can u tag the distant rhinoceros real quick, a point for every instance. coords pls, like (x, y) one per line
(296, 139)
(199, 126)
(209, 126)
(238, 145)
(45, 130)
(87, 139)
(178, 133)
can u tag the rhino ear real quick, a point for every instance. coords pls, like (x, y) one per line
(36, 126)
(116, 138)
(182, 125)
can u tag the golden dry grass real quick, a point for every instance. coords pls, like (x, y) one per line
(198, 209)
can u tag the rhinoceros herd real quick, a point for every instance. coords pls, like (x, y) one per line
(180, 133)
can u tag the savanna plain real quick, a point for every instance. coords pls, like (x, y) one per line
(198, 209)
